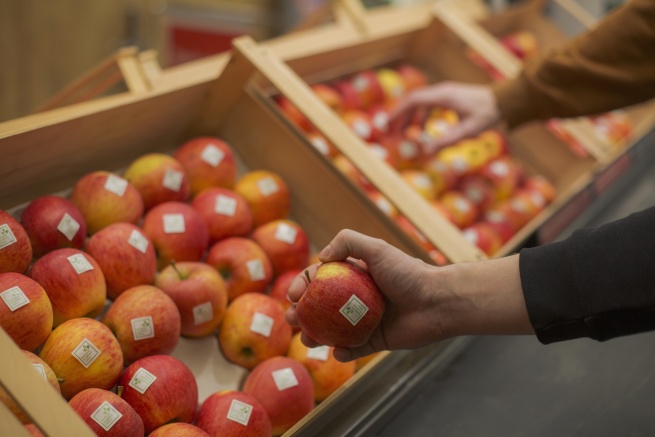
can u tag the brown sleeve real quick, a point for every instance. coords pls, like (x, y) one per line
(606, 68)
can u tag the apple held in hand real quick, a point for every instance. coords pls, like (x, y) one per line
(254, 329)
(199, 293)
(209, 162)
(74, 283)
(126, 256)
(266, 193)
(284, 388)
(25, 310)
(285, 243)
(145, 321)
(161, 389)
(53, 222)
(231, 413)
(341, 306)
(159, 178)
(15, 246)
(178, 429)
(106, 413)
(83, 353)
(226, 213)
(105, 198)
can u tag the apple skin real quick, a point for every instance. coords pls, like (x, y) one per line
(484, 236)
(191, 284)
(280, 287)
(329, 96)
(420, 182)
(173, 396)
(58, 349)
(328, 375)
(240, 344)
(231, 258)
(178, 429)
(368, 88)
(29, 325)
(505, 175)
(40, 220)
(209, 162)
(213, 416)
(144, 301)
(101, 207)
(266, 193)
(86, 402)
(285, 243)
(50, 376)
(225, 222)
(147, 173)
(318, 310)
(17, 256)
(71, 294)
(123, 265)
(284, 407)
(189, 245)
(412, 76)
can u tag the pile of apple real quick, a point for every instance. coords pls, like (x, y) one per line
(97, 287)
(477, 184)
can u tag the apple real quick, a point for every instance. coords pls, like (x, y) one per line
(83, 353)
(341, 306)
(293, 113)
(494, 142)
(146, 321)
(209, 162)
(540, 185)
(266, 193)
(105, 198)
(322, 144)
(408, 153)
(284, 387)
(280, 287)
(199, 293)
(443, 176)
(15, 246)
(329, 96)
(352, 173)
(438, 123)
(385, 154)
(478, 190)
(231, 413)
(327, 373)
(52, 222)
(285, 243)
(243, 264)
(499, 219)
(368, 88)
(379, 116)
(161, 389)
(254, 328)
(523, 206)
(484, 236)
(505, 174)
(25, 310)
(226, 213)
(74, 283)
(421, 182)
(359, 122)
(392, 84)
(462, 211)
(178, 429)
(45, 371)
(106, 413)
(125, 255)
(159, 178)
(413, 78)
(349, 96)
(522, 43)
(383, 203)
(178, 232)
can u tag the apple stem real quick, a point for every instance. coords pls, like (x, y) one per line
(176, 270)
(307, 276)
(60, 380)
(119, 391)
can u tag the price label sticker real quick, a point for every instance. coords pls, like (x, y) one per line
(203, 313)
(172, 180)
(361, 83)
(142, 328)
(354, 310)
(380, 151)
(68, 226)
(321, 145)
(106, 415)
(267, 186)
(116, 184)
(86, 352)
(239, 412)
(138, 241)
(408, 150)
(225, 205)
(80, 263)
(284, 378)
(14, 298)
(173, 223)
(361, 128)
(380, 120)
(320, 353)
(255, 270)
(212, 155)
(7, 237)
(286, 233)
(39, 368)
(261, 324)
(142, 380)
(499, 168)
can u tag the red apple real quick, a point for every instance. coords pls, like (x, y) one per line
(413, 77)
(106, 413)
(505, 174)
(285, 243)
(254, 329)
(379, 115)
(359, 122)
(243, 264)
(409, 154)
(105, 198)
(341, 306)
(484, 236)
(209, 162)
(462, 211)
(178, 232)
(25, 310)
(478, 190)
(392, 84)
(443, 176)
(293, 113)
(500, 221)
(327, 373)
(329, 96)
(368, 88)
(178, 429)
(266, 193)
(226, 213)
(145, 321)
(284, 388)
(161, 389)
(199, 293)
(540, 185)
(125, 255)
(159, 178)
(322, 144)
(74, 283)
(349, 96)
(280, 286)
(494, 142)
(421, 182)
(53, 222)
(15, 246)
(231, 413)
(83, 353)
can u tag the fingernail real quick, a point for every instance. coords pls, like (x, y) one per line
(325, 253)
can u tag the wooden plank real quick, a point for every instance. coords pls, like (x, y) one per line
(354, 12)
(10, 425)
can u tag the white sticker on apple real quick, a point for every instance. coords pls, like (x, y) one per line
(142, 328)
(68, 226)
(285, 233)
(284, 378)
(7, 237)
(106, 415)
(262, 324)
(173, 223)
(86, 352)
(116, 184)
(380, 151)
(499, 168)
(462, 205)
(239, 412)
(267, 186)
(320, 353)
(321, 145)
(212, 155)
(80, 263)
(138, 241)
(407, 150)
(360, 83)
(354, 310)
(203, 313)
(39, 368)
(384, 205)
(142, 380)
(255, 270)
(225, 205)
(362, 128)
(14, 298)
(173, 180)
(380, 120)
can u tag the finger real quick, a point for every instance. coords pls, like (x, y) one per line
(291, 316)
(308, 341)
(349, 354)
(349, 243)
(467, 128)
(299, 284)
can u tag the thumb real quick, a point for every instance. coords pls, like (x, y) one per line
(344, 354)
(349, 243)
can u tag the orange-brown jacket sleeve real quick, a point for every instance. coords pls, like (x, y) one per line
(608, 67)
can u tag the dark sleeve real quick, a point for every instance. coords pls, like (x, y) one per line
(599, 283)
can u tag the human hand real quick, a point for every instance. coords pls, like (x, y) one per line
(475, 104)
